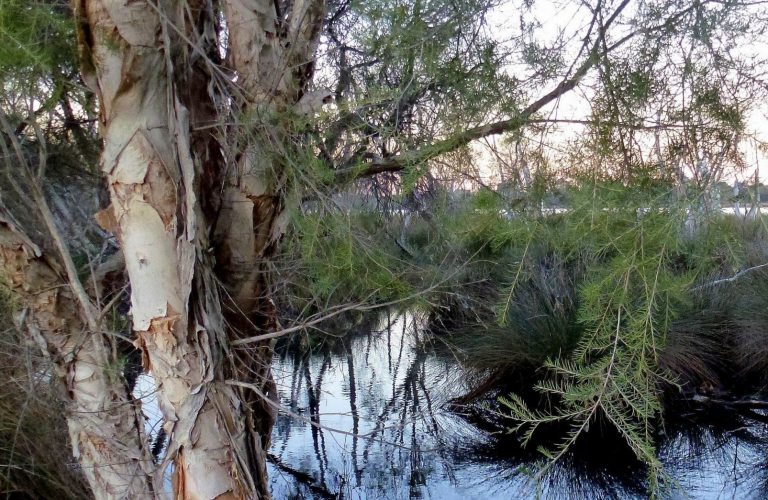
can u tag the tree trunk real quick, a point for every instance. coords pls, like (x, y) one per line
(155, 70)
(105, 425)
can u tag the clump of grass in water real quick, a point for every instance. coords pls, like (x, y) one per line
(538, 322)
(719, 340)
(649, 323)
(625, 308)
(626, 299)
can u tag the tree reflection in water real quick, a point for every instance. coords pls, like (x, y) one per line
(367, 416)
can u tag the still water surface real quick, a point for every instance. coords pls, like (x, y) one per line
(369, 419)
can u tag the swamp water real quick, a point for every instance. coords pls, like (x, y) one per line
(370, 419)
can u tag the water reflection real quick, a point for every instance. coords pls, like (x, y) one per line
(367, 417)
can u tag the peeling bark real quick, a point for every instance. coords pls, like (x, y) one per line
(152, 177)
(105, 424)
(273, 58)
(171, 189)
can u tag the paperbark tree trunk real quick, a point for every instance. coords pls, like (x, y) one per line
(162, 102)
(106, 429)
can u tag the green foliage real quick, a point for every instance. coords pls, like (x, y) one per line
(34, 33)
(345, 259)
(639, 284)
(35, 37)
(38, 68)
(409, 73)
(609, 304)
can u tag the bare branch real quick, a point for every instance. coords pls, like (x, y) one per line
(428, 152)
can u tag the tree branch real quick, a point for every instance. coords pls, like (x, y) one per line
(730, 279)
(428, 152)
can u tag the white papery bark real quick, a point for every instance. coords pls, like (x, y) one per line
(170, 189)
(105, 425)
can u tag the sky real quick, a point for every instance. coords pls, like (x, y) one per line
(568, 20)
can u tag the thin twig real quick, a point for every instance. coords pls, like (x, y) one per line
(731, 279)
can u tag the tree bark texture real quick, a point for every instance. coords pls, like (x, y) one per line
(198, 210)
(105, 424)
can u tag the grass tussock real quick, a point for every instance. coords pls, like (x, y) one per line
(612, 323)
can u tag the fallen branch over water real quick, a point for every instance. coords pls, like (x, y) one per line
(746, 407)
